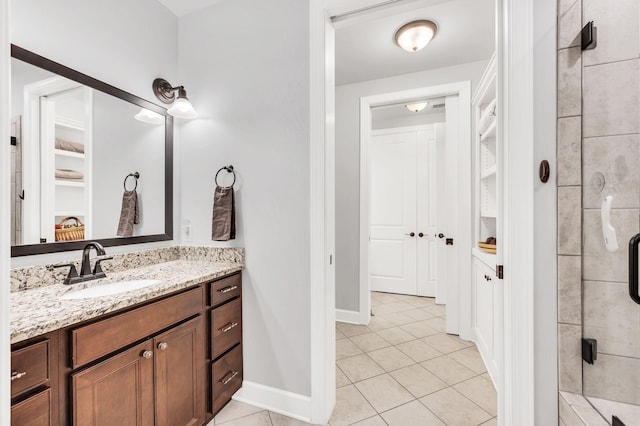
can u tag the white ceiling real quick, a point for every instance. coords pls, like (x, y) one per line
(185, 7)
(365, 49)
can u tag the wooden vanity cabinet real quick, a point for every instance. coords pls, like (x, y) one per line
(33, 381)
(172, 361)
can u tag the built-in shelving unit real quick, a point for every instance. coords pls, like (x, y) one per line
(488, 291)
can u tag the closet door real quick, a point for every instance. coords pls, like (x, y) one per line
(392, 247)
(426, 212)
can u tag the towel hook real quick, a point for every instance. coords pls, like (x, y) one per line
(229, 169)
(135, 175)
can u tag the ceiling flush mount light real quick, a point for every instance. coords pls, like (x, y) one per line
(417, 106)
(148, 116)
(181, 107)
(415, 35)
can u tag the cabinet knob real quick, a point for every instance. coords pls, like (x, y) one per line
(487, 277)
(163, 346)
(147, 354)
(15, 375)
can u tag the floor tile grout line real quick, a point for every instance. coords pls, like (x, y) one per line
(473, 402)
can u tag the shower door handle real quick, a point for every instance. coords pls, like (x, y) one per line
(633, 268)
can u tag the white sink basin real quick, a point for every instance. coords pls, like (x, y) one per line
(108, 289)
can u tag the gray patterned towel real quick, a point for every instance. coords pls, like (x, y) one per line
(129, 214)
(223, 227)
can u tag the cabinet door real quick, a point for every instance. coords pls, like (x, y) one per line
(34, 411)
(179, 385)
(484, 279)
(118, 391)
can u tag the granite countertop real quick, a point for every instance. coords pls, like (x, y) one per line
(39, 311)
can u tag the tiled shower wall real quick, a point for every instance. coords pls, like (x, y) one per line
(598, 131)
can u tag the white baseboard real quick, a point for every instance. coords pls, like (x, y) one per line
(351, 317)
(282, 402)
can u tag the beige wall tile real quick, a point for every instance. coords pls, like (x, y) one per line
(569, 81)
(613, 377)
(567, 415)
(569, 220)
(599, 263)
(617, 29)
(616, 157)
(569, 358)
(610, 99)
(569, 23)
(570, 151)
(570, 289)
(612, 318)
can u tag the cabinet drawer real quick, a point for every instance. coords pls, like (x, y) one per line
(29, 367)
(226, 327)
(33, 411)
(103, 337)
(225, 289)
(227, 377)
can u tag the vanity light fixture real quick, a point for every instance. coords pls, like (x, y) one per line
(181, 107)
(415, 35)
(148, 116)
(417, 106)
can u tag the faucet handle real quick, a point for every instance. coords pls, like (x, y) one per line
(73, 272)
(97, 269)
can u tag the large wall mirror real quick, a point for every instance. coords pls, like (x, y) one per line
(88, 161)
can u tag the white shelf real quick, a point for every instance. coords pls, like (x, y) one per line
(490, 132)
(64, 153)
(486, 258)
(491, 171)
(69, 183)
(69, 123)
(488, 214)
(69, 213)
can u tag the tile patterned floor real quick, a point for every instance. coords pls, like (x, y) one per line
(400, 370)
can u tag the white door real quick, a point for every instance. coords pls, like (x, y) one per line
(392, 249)
(442, 275)
(403, 249)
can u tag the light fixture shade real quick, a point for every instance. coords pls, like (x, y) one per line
(415, 35)
(417, 107)
(148, 116)
(182, 108)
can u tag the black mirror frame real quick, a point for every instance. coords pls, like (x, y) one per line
(61, 70)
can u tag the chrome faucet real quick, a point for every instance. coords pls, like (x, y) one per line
(85, 270)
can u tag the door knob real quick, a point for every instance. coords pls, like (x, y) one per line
(421, 235)
(411, 234)
(441, 235)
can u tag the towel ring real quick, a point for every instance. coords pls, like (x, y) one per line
(229, 169)
(135, 175)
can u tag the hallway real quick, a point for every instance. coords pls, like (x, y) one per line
(400, 370)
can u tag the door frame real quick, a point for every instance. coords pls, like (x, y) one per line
(457, 307)
(5, 214)
(514, 27)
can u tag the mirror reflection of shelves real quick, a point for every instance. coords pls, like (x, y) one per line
(65, 151)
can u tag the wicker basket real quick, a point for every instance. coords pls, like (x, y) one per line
(69, 231)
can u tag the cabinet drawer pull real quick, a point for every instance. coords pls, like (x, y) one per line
(15, 375)
(163, 346)
(228, 289)
(228, 327)
(147, 354)
(226, 379)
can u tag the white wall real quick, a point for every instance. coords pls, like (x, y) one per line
(545, 260)
(348, 164)
(408, 120)
(124, 43)
(245, 64)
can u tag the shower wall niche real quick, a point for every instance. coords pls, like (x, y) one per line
(598, 165)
